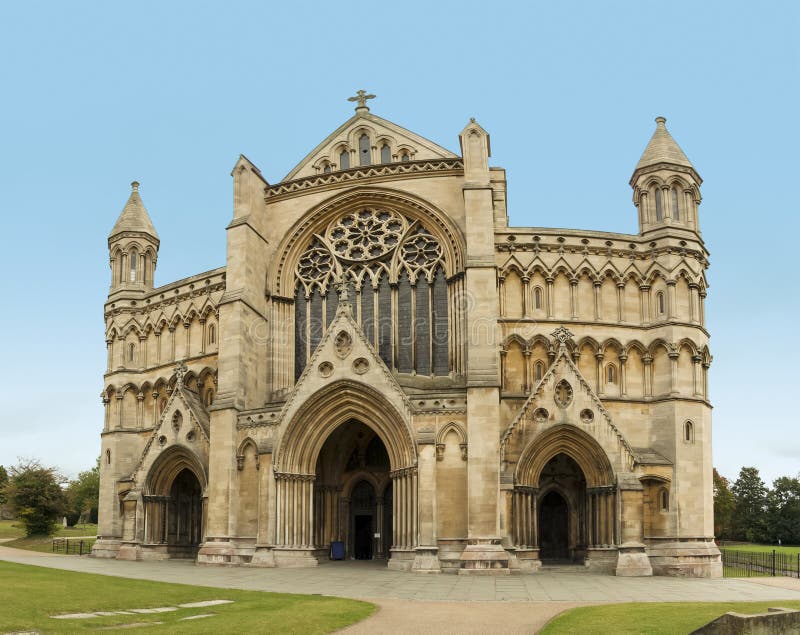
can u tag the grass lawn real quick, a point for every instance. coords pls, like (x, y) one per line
(787, 549)
(653, 618)
(13, 529)
(31, 595)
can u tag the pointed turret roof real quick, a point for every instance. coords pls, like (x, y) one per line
(663, 149)
(134, 216)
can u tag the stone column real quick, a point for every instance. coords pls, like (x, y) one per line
(549, 296)
(644, 302)
(526, 296)
(647, 362)
(623, 375)
(600, 379)
(632, 559)
(673, 358)
(426, 556)
(671, 300)
(598, 308)
(620, 300)
(693, 301)
(573, 297)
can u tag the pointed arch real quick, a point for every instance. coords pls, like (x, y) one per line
(576, 444)
(168, 465)
(330, 407)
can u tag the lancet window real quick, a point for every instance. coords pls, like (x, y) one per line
(394, 269)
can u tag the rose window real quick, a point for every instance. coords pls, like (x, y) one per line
(316, 263)
(366, 234)
(421, 251)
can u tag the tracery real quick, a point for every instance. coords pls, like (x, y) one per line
(394, 268)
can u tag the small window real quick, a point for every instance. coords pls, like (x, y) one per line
(405, 157)
(386, 153)
(538, 371)
(363, 150)
(676, 211)
(108, 457)
(663, 500)
(611, 374)
(344, 160)
(659, 208)
(326, 169)
(660, 301)
(212, 334)
(134, 259)
(537, 298)
(688, 432)
(131, 352)
(209, 399)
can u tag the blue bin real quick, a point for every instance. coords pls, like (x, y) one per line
(337, 550)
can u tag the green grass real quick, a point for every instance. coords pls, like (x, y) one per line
(29, 596)
(13, 529)
(653, 618)
(752, 547)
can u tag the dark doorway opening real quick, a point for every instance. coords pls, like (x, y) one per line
(553, 527)
(184, 516)
(363, 538)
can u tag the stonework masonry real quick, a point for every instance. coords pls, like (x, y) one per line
(384, 369)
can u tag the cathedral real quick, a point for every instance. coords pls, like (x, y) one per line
(385, 370)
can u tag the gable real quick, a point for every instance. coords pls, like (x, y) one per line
(346, 137)
(563, 397)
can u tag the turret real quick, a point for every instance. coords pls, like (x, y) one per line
(133, 247)
(666, 187)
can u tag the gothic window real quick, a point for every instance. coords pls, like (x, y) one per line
(326, 168)
(688, 432)
(344, 159)
(676, 212)
(134, 257)
(363, 150)
(398, 289)
(663, 500)
(537, 298)
(108, 457)
(131, 352)
(212, 334)
(659, 207)
(538, 371)
(209, 397)
(405, 157)
(660, 302)
(611, 374)
(386, 153)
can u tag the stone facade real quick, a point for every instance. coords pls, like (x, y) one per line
(385, 367)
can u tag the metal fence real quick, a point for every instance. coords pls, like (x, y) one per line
(745, 564)
(75, 546)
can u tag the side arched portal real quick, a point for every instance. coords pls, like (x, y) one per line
(565, 497)
(174, 510)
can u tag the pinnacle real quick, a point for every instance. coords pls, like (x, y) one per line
(662, 148)
(134, 216)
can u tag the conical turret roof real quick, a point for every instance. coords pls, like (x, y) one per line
(662, 149)
(134, 216)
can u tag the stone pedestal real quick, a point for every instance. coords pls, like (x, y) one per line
(484, 558)
(692, 558)
(528, 559)
(601, 559)
(632, 561)
(296, 557)
(106, 548)
(263, 557)
(401, 559)
(426, 560)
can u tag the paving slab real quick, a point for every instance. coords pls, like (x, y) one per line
(373, 581)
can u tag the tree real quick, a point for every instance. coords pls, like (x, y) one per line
(783, 511)
(83, 495)
(3, 483)
(749, 516)
(723, 506)
(35, 495)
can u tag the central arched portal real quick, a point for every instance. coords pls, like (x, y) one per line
(353, 501)
(346, 477)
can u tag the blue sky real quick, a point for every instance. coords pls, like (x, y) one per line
(95, 95)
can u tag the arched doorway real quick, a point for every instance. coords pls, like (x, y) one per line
(184, 515)
(345, 433)
(553, 527)
(173, 504)
(352, 470)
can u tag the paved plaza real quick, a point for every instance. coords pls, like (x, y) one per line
(371, 580)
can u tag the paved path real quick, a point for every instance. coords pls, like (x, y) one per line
(438, 604)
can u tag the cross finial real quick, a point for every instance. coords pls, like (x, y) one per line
(180, 371)
(361, 97)
(562, 334)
